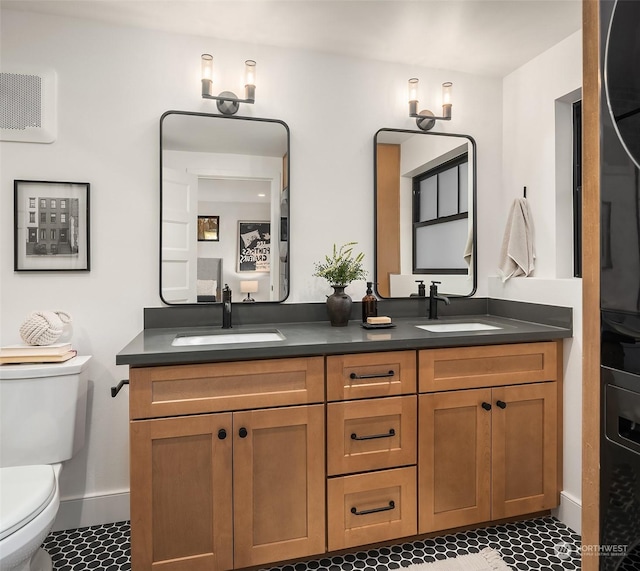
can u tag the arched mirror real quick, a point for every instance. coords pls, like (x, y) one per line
(425, 208)
(224, 208)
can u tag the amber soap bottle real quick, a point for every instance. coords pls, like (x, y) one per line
(369, 304)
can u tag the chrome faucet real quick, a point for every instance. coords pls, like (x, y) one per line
(434, 297)
(226, 307)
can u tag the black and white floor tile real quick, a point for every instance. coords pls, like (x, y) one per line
(533, 545)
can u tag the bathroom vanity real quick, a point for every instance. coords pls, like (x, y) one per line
(251, 453)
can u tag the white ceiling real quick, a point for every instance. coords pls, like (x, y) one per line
(487, 37)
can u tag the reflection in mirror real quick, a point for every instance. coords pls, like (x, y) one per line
(425, 207)
(224, 208)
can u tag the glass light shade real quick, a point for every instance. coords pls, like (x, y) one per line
(207, 66)
(413, 89)
(446, 93)
(249, 72)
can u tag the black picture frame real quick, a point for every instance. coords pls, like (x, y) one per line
(51, 223)
(208, 228)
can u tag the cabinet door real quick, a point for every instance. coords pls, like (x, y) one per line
(279, 484)
(525, 449)
(454, 481)
(181, 479)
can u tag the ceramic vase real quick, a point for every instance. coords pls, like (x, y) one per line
(339, 306)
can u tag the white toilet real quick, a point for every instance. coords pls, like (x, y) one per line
(42, 423)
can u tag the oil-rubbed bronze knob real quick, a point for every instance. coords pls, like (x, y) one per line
(486, 406)
(501, 404)
(222, 434)
(242, 433)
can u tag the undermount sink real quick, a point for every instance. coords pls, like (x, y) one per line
(221, 338)
(454, 327)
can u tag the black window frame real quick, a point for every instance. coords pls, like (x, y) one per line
(447, 165)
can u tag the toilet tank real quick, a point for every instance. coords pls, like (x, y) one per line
(42, 411)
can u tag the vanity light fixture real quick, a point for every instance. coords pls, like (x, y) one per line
(228, 103)
(426, 119)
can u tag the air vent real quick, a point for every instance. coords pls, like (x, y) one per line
(28, 107)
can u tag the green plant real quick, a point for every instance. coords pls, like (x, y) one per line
(341, 268)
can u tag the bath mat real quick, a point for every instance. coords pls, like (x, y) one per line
(487, 560)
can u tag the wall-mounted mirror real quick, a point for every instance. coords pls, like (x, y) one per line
(425, 208)
(224, 208)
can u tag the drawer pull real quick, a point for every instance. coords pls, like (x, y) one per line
(486, 406)
(501, 404)
(389, 434)
(373, 376)
(391, 506)
(222, 434)
(242, 433)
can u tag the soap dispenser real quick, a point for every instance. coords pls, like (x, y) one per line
(369, 304)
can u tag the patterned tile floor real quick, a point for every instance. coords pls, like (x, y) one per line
(533, 545)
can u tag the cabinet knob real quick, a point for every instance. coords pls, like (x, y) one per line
(501, 404)
(222, 434)
(486, 406)
(242, 433)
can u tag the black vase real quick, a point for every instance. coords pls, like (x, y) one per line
(339, 306)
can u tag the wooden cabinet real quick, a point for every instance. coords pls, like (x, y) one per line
(228, 490)
(371, 507)
(278, 484)
(371, 448)
(181, 503)
(370, 375)
(249, 463)
(371, 434)
(487, 454)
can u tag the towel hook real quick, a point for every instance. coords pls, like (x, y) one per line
(525, 192)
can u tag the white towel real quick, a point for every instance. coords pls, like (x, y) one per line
(468, 249)
(518, 254)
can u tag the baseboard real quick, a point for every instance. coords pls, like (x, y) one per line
(569, 512)
(95, 510)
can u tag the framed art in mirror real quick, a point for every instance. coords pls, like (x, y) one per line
(254, 246)
(51, 226)
(208, 228)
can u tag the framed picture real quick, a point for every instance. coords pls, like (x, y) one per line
(208, 228)
(51, 226)
(254, 246)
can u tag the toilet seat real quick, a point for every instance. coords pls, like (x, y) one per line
(25, 491)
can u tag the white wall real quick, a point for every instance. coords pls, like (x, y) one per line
(536, 134)
(114, 84)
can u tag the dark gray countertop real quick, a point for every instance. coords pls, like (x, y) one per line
(153, 346)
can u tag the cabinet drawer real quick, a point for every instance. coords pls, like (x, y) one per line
(373, 507)
(213, 387)
(371, 375)
(371, 434)
(494, 365)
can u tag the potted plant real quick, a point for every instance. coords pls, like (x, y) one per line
(340, 269)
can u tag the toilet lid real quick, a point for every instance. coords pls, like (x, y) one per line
(24, 492)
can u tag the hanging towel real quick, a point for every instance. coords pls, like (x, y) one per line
(518, 254)
(468, 249)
